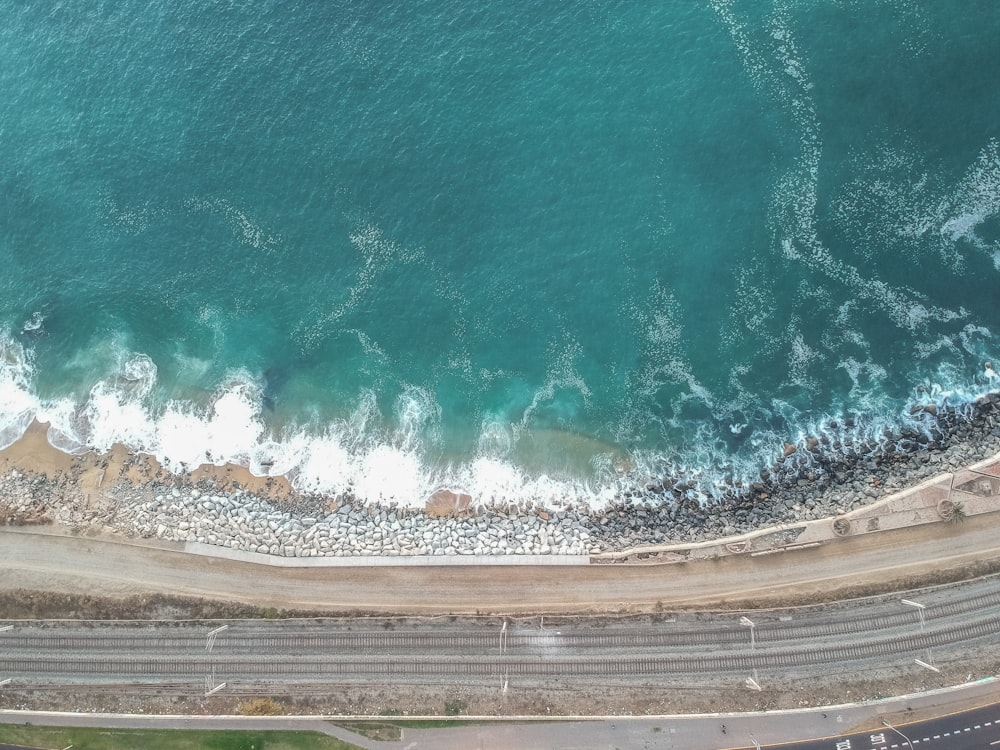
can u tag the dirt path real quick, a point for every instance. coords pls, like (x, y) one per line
(840, 568)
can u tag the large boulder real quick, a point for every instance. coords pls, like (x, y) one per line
(446, 502)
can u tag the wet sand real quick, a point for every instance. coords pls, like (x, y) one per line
(33, 455)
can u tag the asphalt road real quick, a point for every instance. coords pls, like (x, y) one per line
(971, 730)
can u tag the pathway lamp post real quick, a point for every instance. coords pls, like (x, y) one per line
(920, 611)
(503, 643)
(210, 642)
(748, 623)
(890, 726)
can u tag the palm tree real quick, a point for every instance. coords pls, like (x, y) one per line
(951, 512)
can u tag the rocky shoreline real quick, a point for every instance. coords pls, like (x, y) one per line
(816, 478)
(819, 477)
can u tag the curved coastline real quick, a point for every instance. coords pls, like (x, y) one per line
(228, 507)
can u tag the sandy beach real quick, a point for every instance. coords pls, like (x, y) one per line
(92, 472)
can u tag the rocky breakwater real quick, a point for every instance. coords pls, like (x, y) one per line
(245, 522)
(839, 470)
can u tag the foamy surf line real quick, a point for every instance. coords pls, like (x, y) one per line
(360, 460)
(129, 495)
(355, 458)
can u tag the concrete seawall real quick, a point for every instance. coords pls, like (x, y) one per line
(211, 550)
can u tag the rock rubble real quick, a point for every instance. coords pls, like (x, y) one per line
(819, 478)
(242, 521)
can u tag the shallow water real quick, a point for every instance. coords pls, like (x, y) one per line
(529, 253)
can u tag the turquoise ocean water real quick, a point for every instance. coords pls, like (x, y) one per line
(525, 250)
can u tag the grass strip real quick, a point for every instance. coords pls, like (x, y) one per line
(98, 738)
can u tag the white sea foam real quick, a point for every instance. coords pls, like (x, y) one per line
(562, 374)
(313, 463)
(664, 356)
(753, 311)
(377, 252)
(418, 415)
(359, 454)
(245, 228)
(390, 474)
(130, 220)
(976, 198)
(34, 322)
(493, 480)
(800, 358)
(496, 438)
(775, 68)
(386, 457)
(17, 403)
(867, 378)
(922, 208)
(373, 352)
(112, 415)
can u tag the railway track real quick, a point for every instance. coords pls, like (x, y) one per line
(297, 665)
(110, 637)
(304, 656)
(315, 664)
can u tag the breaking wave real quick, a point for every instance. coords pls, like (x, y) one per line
(398, 457)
